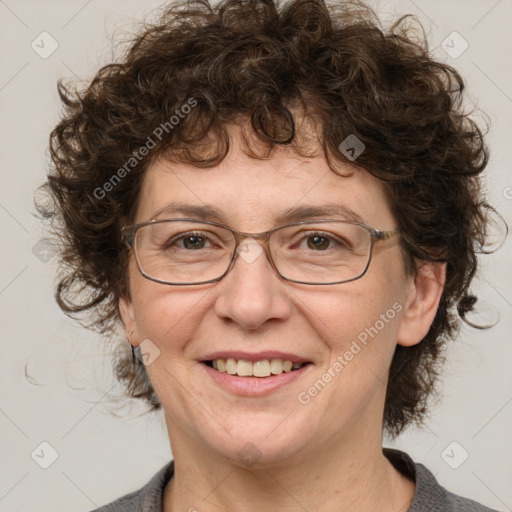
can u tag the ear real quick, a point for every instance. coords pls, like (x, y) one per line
(128, 317)
(422, 302)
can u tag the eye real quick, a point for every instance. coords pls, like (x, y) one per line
(318, 242)
(322, 241)
(189, 241)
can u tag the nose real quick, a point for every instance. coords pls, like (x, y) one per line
(252, 293)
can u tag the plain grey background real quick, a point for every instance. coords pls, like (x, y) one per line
(94, 457)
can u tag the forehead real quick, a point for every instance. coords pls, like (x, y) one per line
(255, 194)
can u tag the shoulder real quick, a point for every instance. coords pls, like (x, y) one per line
(458, 503)
(147, 499)
(430, 496)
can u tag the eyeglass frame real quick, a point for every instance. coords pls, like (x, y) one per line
(128, 237)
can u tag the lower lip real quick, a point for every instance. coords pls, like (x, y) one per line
(254, 386)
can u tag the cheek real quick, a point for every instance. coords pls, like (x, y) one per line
(167, 316)
(358, 321)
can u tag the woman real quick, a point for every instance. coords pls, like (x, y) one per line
(281, 206)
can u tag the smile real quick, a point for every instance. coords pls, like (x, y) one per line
(251, 385)
(262, 368)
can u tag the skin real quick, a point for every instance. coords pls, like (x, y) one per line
(336, 439)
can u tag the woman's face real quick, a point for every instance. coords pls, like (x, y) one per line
(252, 311)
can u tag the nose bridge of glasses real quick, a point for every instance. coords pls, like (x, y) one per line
(250, 246)
(245, 248)
(241, 236)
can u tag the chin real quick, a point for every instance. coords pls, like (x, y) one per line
(259, 444)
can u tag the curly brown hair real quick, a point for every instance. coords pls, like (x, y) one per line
(258, 60)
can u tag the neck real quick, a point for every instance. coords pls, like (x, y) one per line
(345, 477)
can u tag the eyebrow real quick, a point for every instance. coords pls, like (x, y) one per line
(295, 214)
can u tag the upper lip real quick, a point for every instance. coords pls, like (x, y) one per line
(255, 356)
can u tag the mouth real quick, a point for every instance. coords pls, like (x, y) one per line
(263, 368)
(254, 374)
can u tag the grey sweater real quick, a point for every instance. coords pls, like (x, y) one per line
(428, 497)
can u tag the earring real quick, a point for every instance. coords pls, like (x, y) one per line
(131, 346)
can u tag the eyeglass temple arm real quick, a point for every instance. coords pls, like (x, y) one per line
(385, 235)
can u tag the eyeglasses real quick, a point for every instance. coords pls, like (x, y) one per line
(188, 251)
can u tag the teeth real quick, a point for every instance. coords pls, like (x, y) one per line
(276, 366)
(231, 366)
(244, 368)
(260, 368)
(263, 368)
(287, 366)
